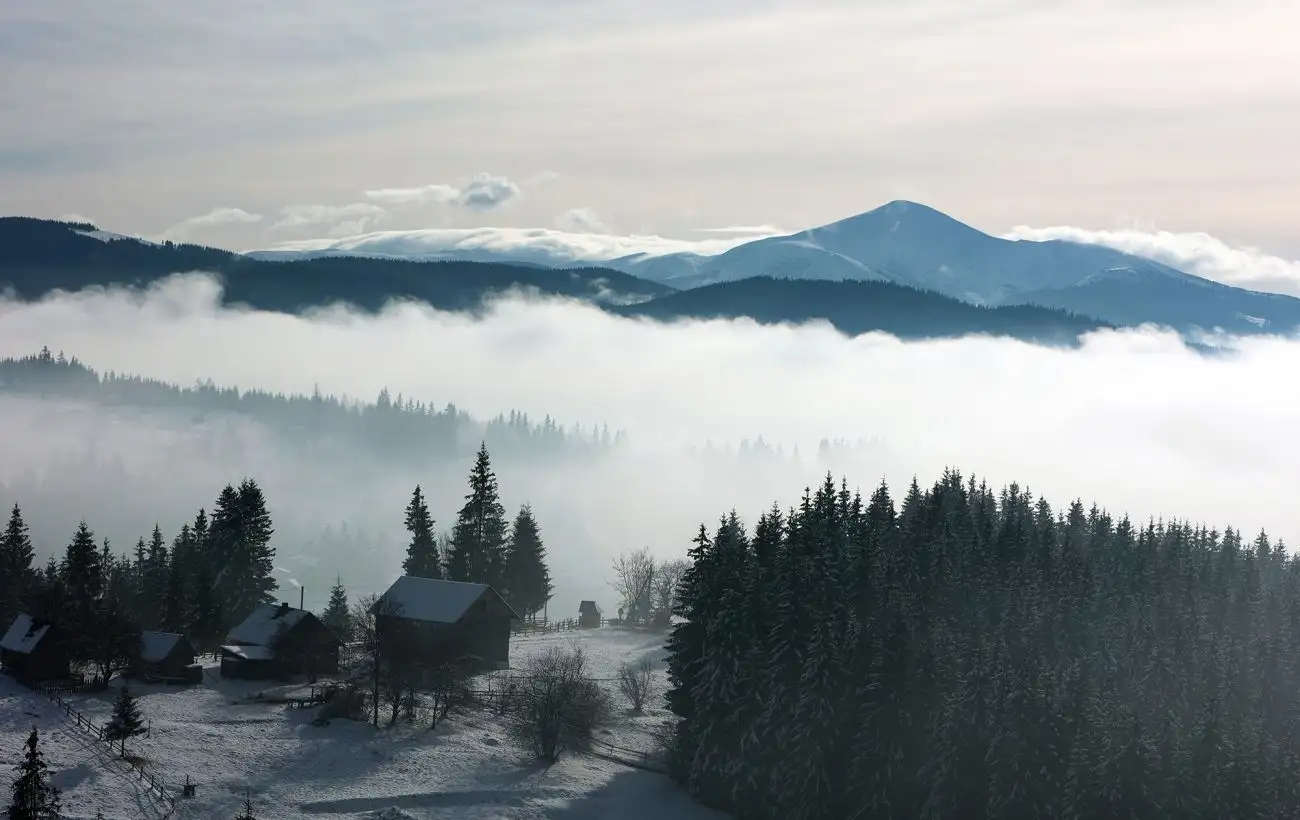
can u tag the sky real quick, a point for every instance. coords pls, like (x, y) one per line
(1132, 121)
(1147, 428)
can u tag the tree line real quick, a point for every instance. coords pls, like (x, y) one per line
(395, 426)
(980, 654)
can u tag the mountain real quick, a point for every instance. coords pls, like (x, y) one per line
(911, 244)
(854, 308)
(40, 256)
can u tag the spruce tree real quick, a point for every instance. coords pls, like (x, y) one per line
(16, 570)
(337, 616)
(478, 540)
(240, 546)
(83, 579)
(33, 797)
(527, 580)
(422, 557)
(127, 720)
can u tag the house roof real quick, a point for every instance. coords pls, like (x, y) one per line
(435, 601)
(24, 634)
(251, 653)
(589, 606)
(262, 624)
(156, 646)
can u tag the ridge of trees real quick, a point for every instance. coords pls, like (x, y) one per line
(394, 425)
(981, 654)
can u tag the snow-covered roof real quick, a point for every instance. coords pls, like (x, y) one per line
(156, 646)
(262, 624)
(427, 599)
(589, 606)
(251, 653)
(23, 635)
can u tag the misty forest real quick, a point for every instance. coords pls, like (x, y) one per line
(964, 652)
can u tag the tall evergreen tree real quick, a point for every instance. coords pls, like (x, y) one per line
(337, 615)
(17, 575)
(422, 557)
(82, 574)
(33, 796)
(527, 579)
(240, 546)
(478, 540)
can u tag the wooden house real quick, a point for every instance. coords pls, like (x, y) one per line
(277, 641)
(449, 621)
(166, 656)
(589, 615)
(33, 650)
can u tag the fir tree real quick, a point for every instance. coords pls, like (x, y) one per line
(83, 579)
(34, 798)
(527, 580)
(16, 571)
(478, 540)
(422, 557)
(337, 615)
(127, 720)
(247, 812)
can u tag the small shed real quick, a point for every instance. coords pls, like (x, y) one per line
(278, 641)
(589, 615)
(452, 621)
(166, 656)
(33, 650)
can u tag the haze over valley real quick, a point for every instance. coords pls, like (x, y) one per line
(584, 410)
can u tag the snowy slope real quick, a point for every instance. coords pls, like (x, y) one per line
(226, 743)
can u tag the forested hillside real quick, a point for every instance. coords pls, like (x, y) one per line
(980, 654)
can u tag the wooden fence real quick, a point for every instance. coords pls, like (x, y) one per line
(566, 625)
(636, 758)
(54, 692)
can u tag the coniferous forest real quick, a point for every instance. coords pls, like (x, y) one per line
(975, 654)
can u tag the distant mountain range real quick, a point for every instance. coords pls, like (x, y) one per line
(38, 257)
(906, 243)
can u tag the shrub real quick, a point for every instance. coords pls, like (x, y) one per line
(555, 705)
(636, 683)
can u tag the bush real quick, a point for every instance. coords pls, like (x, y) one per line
(636, 683)
(346, 702)
(555, 705)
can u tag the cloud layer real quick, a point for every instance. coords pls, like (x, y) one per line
(1197, 253)
(1154, 442)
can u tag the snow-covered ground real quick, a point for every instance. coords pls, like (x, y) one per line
(227, 744)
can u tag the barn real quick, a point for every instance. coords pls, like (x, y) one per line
(589, 615)
(277, 641)
(166, 656)
(452, 621)
(33, 650)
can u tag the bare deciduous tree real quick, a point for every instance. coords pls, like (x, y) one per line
(667, 576)
(385, 656)
(634, 578)
(636, 682)
(555, 705)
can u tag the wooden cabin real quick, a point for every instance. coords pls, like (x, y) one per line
(33, 650)
(450, 621)
(166, 656)
(276, 642)
(589, 615)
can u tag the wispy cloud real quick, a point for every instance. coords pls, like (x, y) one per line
(483, 192)
(581, 220)
(1197, 253)
(340, 220)
(213, 218)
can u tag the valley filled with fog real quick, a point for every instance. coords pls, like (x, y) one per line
(653, 428)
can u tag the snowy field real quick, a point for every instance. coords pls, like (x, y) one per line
(227, 744)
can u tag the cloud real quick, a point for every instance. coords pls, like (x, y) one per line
(342, 220)
(756, 231)
(483, 192)
(581, 220)
(1197, 253)
(213, 218)
(1154, 442)
(538, 245)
